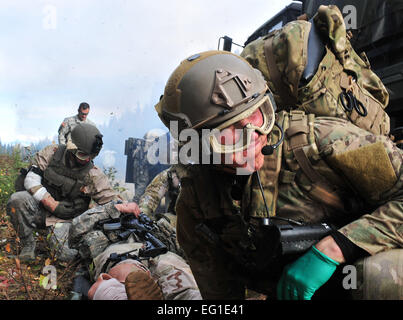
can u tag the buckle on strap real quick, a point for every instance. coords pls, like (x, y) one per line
(298, 130)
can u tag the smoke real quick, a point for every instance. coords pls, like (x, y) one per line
(108, 158)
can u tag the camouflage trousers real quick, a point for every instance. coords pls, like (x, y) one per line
(376, 277)
(27, 215)
(380, 277)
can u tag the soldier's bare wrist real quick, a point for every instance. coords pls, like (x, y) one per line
(49, 202)
(330, 248)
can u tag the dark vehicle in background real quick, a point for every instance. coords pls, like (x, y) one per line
(377, 29)
(139, 169)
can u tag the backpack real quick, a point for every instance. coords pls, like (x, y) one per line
(311, 66)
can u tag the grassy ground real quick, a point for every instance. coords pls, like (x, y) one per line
(29, 281)
(23, 281)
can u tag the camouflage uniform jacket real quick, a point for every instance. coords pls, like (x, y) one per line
(96, 184)
(68, 125)
(359, 164)
(165, 183)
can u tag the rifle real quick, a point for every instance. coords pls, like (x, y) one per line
(118, 257)
(294, 238)
(142, 227)
(270, 242)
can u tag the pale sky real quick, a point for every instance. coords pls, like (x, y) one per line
(114, 54)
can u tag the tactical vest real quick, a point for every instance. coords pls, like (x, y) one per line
(64, 183)
(339, 84)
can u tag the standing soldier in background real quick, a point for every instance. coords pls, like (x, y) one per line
(69, 123)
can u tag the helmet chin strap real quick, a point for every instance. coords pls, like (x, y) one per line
(269, 149)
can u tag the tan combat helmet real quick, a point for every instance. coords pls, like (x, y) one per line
(213, 90)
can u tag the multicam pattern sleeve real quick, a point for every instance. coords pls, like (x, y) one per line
(154, 192)
(372, 166)
(174, 277)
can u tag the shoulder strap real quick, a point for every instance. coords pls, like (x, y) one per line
(297, 133)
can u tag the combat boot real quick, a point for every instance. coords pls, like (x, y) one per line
(27, 253)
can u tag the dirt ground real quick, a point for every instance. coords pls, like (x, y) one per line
(43, 279)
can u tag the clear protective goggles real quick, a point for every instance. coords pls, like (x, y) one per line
(267, 110)
(82, 155)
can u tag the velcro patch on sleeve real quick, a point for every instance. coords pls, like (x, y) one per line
(368, 168)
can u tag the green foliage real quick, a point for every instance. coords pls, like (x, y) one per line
(26, 152)
(110, 172)
(10, 166)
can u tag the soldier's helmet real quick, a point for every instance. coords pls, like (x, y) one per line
(213, 90)
(86, 141)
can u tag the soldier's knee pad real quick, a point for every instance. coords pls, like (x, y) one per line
(24, 209)
(20, 199)
(382, 276)
(15, 198)
(92, 244)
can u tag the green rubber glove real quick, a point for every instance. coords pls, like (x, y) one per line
(304, 276)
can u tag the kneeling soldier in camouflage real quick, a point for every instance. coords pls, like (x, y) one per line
(293, 197)
(58, 186)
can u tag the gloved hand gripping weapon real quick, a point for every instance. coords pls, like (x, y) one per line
(270, 241)
(295, 237)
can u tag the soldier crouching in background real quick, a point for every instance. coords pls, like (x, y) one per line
(58, 186)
